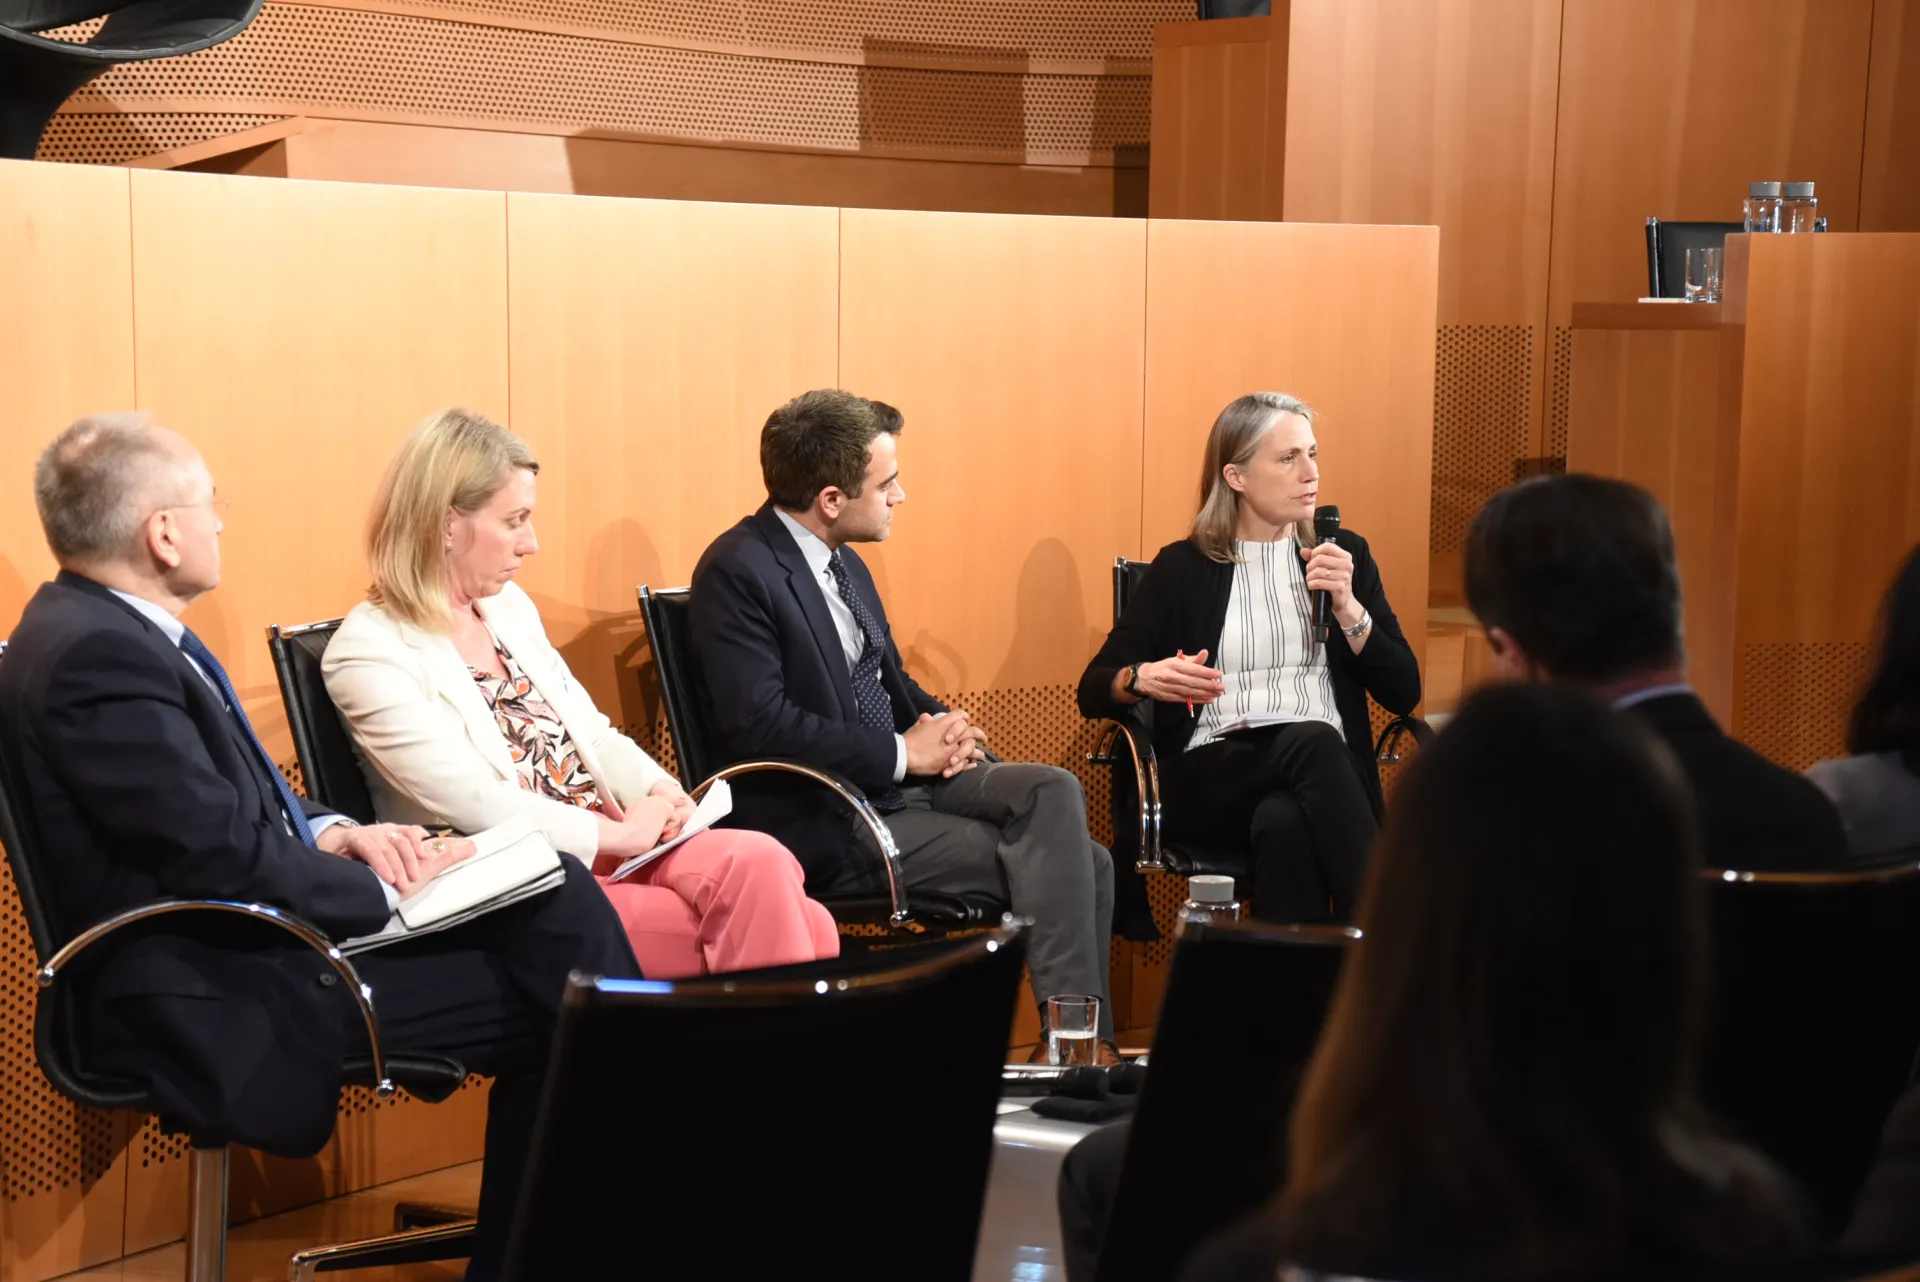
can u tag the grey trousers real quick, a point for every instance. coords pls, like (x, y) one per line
(1015, 833)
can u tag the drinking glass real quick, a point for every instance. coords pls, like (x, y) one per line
(1073, 1024)
(1703, 275)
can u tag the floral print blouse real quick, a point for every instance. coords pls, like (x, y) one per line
(543, 753)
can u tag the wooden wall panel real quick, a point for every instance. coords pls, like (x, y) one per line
(1219, 118)
(1441, 112)
(295, 332)
(1889, 178)
(1014, 348)
(1656, 401)
(650, 341)
(66, 275)
(1829, 475)
(1339, 316)
(1671, 107)
(66, 327)
(437, 156)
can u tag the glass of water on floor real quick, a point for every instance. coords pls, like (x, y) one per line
(1073, 1029)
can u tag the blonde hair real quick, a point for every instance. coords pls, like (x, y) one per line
(454, 461)
(1236, 434)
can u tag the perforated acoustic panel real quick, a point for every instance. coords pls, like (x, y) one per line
(1559, 393)
(1795, 698)
(783, 78)
(989, 30)
(114, 138)
(46, 1141)
(1483, 379)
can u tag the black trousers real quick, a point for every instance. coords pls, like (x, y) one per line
(1293, 795)
(488, 993)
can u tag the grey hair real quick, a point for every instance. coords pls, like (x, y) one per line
(1236, 434)
(95, 485)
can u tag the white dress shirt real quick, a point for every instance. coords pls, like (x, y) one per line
(853, 641)
(172, 629)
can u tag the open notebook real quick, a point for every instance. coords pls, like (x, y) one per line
(511, 862)
(716, 805)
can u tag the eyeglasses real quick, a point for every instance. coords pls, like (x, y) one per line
(219, 505)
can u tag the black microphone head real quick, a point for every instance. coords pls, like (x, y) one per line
(1326, 522)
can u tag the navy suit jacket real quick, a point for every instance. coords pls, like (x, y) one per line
(140, 786)
(776, 681)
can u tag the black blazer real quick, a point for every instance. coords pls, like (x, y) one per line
(1181, 605)
(776, 684)
(140, 786)
(1754, 815)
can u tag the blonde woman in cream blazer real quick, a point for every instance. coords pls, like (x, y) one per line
(464, 714)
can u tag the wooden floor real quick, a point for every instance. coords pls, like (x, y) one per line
(257, 1252)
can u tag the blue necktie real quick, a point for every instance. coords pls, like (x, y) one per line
(876, 706)
(194, 648)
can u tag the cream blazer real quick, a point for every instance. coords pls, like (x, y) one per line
(428, 744)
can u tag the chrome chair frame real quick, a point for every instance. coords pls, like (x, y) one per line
(900, 909)
(207, 1172)
(848, 792)
(1387, 750)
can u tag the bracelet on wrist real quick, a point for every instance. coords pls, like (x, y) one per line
(1359, 629)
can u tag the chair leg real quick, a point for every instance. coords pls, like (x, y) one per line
(207, 1215)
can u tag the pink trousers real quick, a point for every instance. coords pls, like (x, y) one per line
(727, 899)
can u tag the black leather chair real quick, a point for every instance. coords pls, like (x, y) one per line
(1243, 1010)
(328, 768)
(701, 763)
(1135, 792)
(1667, 245)
(429, 1077)
(1815, 1017)
(773, 1073)
(38, 73)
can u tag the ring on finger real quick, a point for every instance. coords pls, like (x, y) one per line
(437, 846)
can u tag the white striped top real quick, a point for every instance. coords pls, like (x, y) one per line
(1272, 670)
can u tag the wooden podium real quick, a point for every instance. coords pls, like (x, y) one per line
(1781, 428)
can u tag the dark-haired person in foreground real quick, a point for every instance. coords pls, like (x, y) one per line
(798, 661)
(1502, 1090)
(1574, 579)
(144, 778)
(1877, 788)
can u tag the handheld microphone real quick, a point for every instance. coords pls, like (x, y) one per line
(1326, 524)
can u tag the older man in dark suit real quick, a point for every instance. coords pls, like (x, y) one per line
(144, 779)
(798, 661)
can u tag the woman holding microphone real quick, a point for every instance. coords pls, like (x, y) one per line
(1261, 726)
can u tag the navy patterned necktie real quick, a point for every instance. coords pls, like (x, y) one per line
(196, 649)
(876, 706)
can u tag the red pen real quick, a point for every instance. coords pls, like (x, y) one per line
(1181, 654)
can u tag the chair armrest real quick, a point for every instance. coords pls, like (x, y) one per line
(1146, 782)
(305, 933)
(848, 792)
(1386, 750)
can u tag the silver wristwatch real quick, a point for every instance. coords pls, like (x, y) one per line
(1359, 629)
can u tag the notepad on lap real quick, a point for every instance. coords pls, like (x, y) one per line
(715, 806)
(510, 863)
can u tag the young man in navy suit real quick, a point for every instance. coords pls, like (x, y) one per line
(138, 769)
(798, 661)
